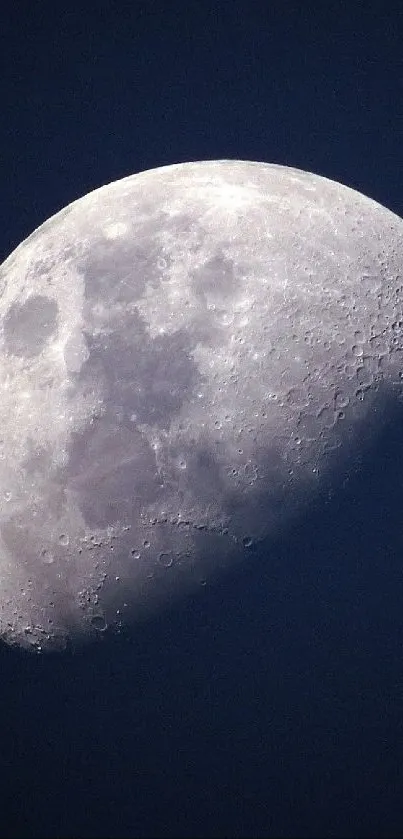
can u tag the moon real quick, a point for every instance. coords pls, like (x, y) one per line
(189, 356)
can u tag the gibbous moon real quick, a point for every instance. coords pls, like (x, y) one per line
(188, 357)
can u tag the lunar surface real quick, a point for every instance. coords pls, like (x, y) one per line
(188, 357)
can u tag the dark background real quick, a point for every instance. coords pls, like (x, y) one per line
(272, 703)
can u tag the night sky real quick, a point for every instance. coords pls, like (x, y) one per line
(270, 704)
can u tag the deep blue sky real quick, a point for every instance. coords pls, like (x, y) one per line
(271, 706)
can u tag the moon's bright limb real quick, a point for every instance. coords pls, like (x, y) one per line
(187, 357)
